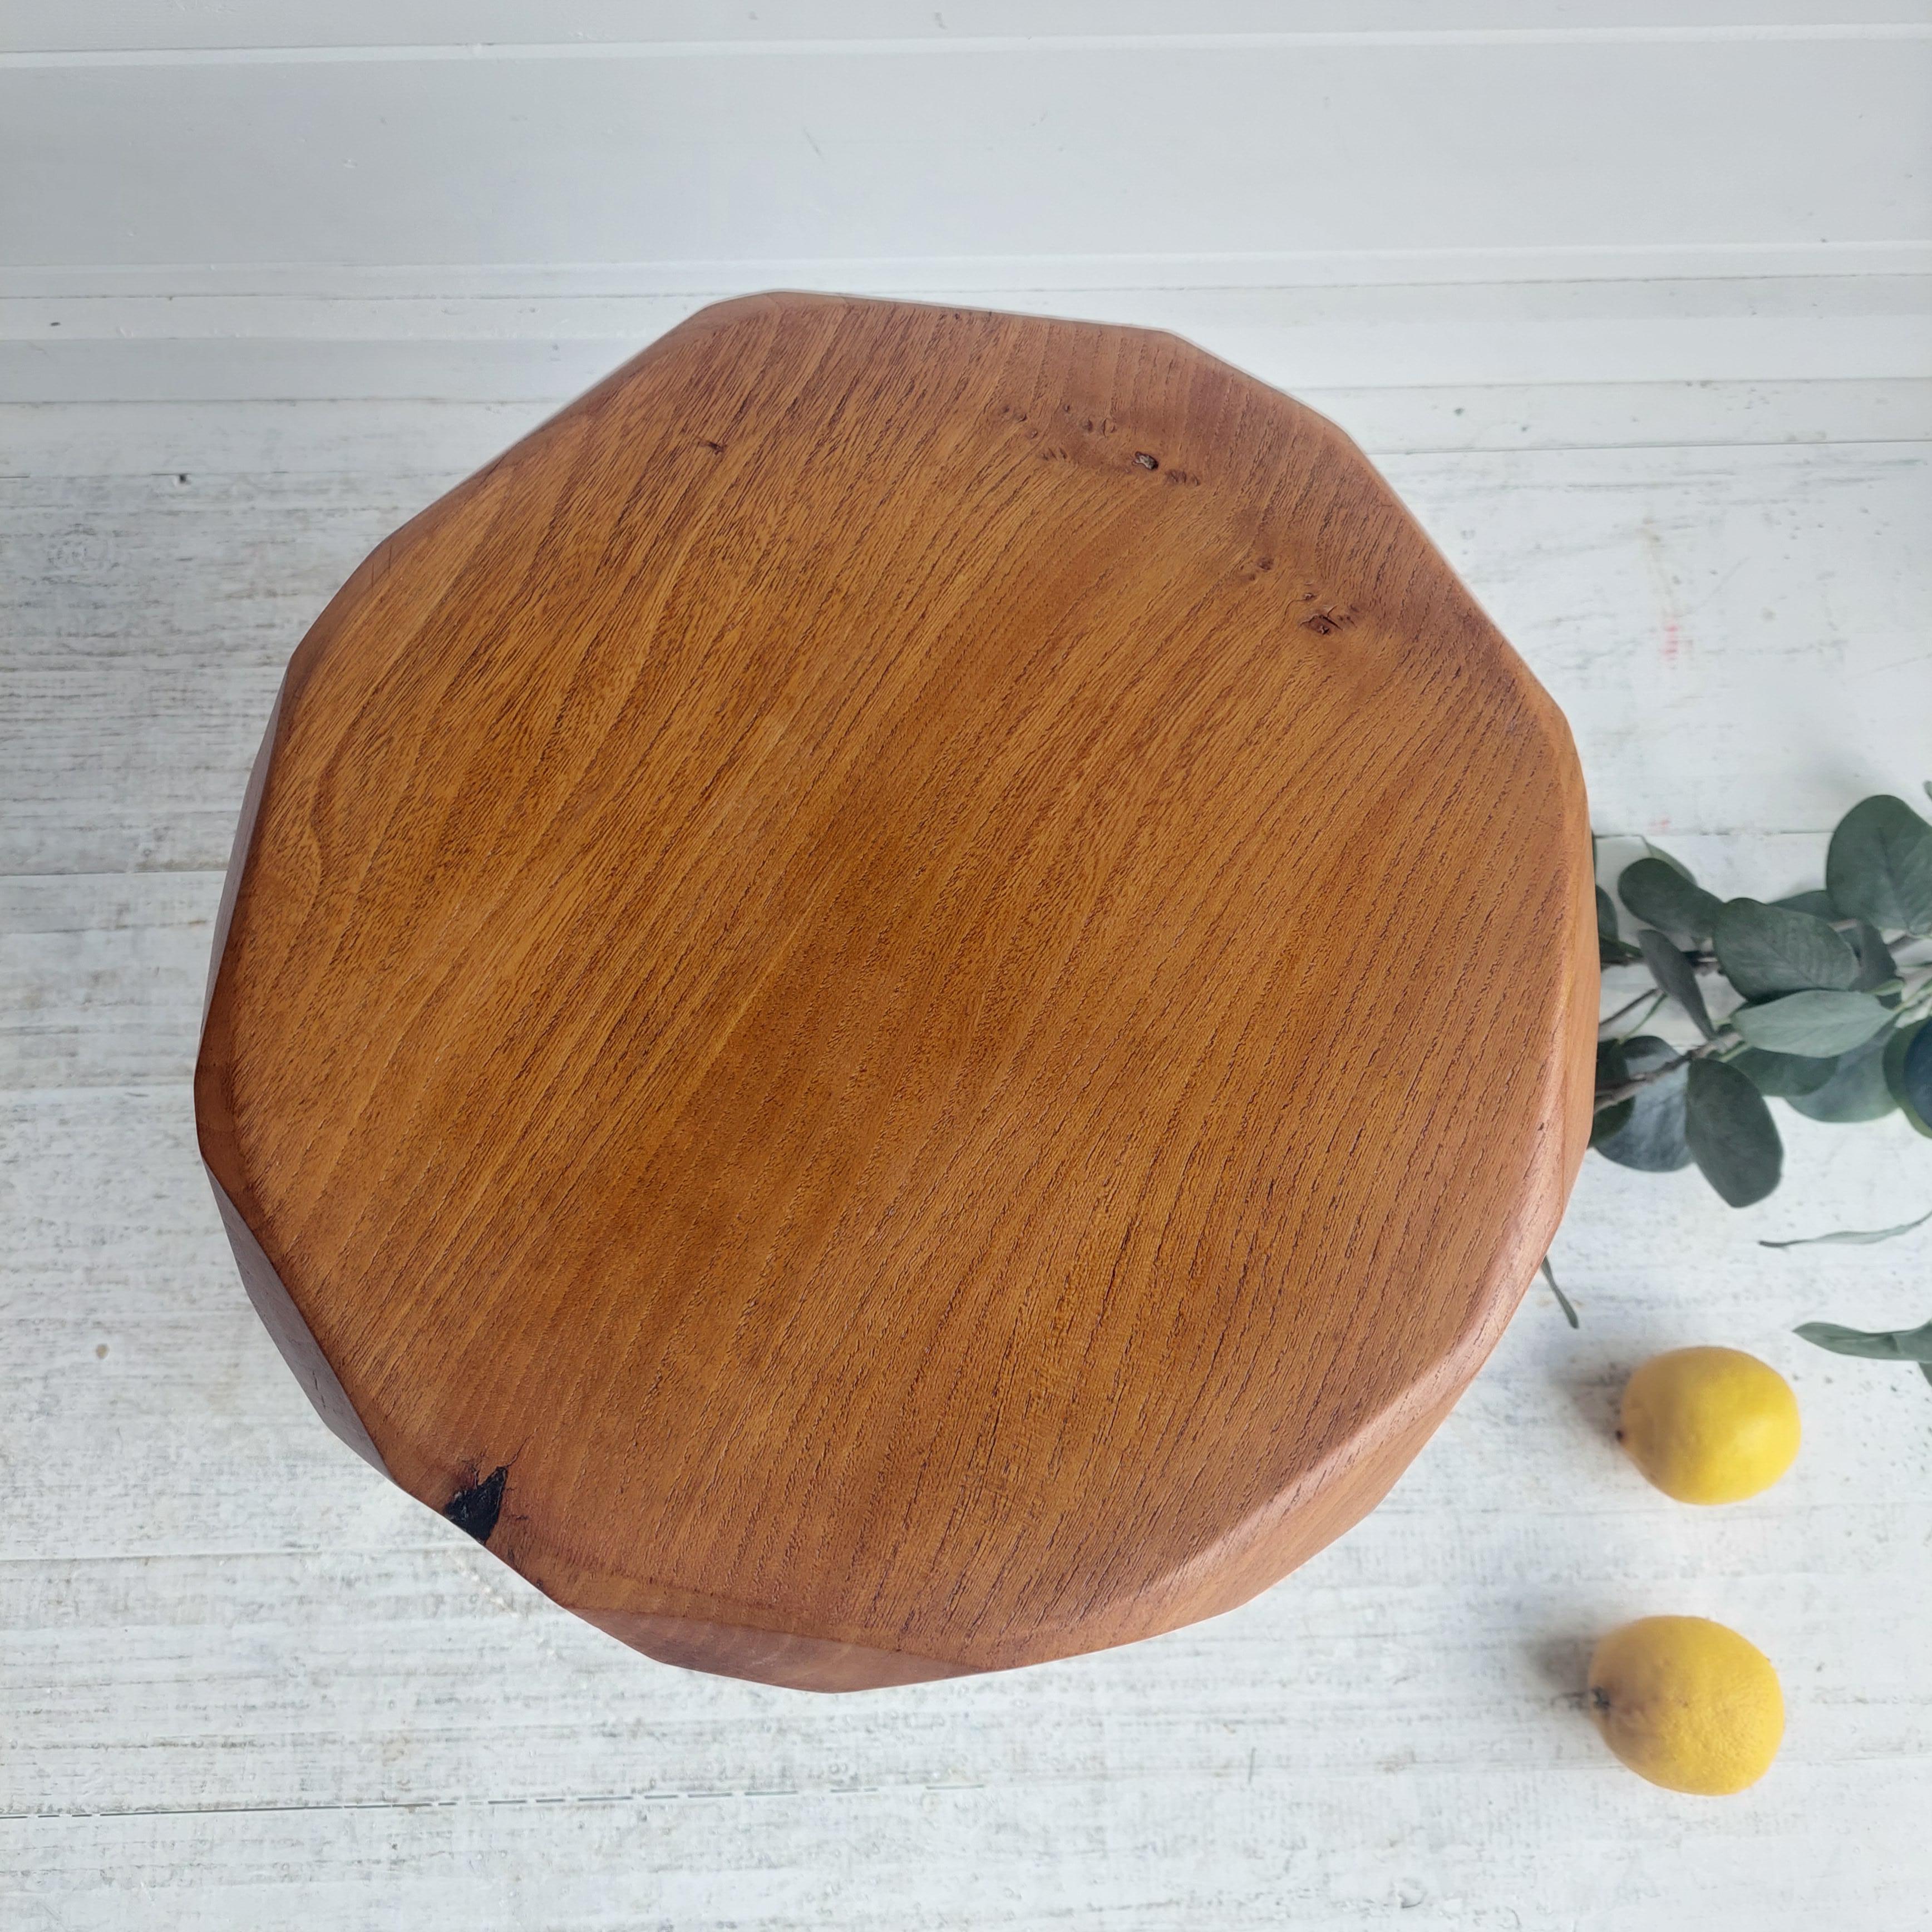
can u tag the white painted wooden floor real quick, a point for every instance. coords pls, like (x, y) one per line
(1675, 430)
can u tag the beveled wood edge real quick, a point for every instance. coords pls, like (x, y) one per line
(237, 851)
(791, 1662)
(290, 1333)
(266, 1291)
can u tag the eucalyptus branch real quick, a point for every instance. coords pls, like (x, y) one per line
(1834, 1020)
(1610, 1096)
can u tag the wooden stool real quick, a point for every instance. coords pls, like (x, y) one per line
(909, 996)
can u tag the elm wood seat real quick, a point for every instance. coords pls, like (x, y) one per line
(909, 996)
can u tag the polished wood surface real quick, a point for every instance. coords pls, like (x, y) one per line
(909, 996)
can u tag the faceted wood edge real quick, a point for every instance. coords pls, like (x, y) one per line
(770, 1657)
(290, 1333)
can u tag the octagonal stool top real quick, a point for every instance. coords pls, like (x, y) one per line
(910, 996)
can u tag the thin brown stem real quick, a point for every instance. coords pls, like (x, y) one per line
(1629, 1006)
(1608, 1096)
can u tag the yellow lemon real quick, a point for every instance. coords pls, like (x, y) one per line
(1709, 1425)
(1688, 1704)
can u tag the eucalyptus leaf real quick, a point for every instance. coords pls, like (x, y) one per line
(1853, 1238)
(1780, 1075)
(1611, 950)
(1881, 1345)
(1856, 1090)
(1817, 903)
(1650, 1137)
(1677, 977)
(1823, 1024)
(1915, 1072)
(1876, 964)
(1767, 949)
(1880, 866)
(1730, 1133)
(1897, 1044)
(1660, 892)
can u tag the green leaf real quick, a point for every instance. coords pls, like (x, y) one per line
(1915, 1073)
(1818, 903)
(1562, 1299)
(1876, 964)
(1880, 867)
(1650, 1137)
(1881, 1345)
(1660, 892)
(1676, 976)
(1821, 1024)
(1780, 1075)
(1730, 1133)
(1898, 1045)
(1611, 950)
(1766, 949)
(1853, 1238)
(1856, 1091)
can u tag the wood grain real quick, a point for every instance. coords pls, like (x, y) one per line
(928, 971)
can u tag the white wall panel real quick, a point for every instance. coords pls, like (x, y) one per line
(185, 28)
(1186, 154)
